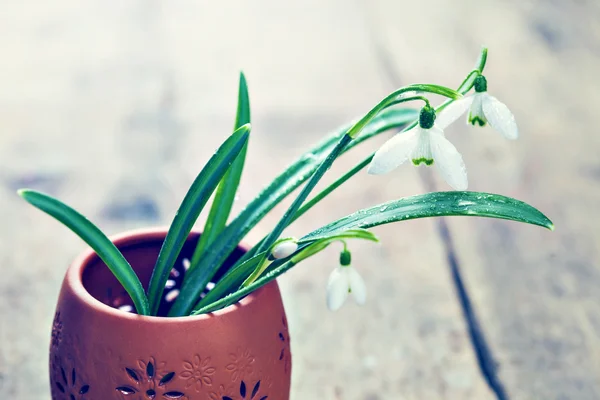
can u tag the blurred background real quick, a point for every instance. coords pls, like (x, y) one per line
(114, 107)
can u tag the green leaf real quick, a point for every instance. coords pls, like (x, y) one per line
(472, 204)
(190, 208)
(102, 245)
(225, 195)
(231, 280)
(295, 175)
(278, 267)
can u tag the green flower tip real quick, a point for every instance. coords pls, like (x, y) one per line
(475, 120)
(426, 117)
(426, 161)
(480, 84)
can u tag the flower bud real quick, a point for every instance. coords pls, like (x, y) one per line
(284, 249)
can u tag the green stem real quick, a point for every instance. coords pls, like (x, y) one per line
(325, 192)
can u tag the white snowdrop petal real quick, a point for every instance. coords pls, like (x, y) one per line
(476, 112)
(500, 117)
(422, 151)
(337, 289)
(285, 249)
(394, 152)
(357, 286)
(453, 111)
(448, 160)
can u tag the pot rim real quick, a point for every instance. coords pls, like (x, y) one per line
(131, 237)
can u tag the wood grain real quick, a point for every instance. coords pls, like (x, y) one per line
(114, 109)
(536, 292)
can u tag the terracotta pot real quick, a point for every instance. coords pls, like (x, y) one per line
(99, 352)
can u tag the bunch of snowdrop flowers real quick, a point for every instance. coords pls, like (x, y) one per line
(424, 144)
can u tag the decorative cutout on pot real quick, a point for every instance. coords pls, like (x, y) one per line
(241, 365)
(247, 392)
(67, 383)
(148, 381)
(57, 326)
(198, 372)
(284, 355)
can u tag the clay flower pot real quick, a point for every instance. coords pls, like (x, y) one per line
(100, 352)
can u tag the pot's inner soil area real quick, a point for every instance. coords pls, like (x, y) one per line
(103, 286)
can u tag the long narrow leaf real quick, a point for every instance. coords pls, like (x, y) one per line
(225, 195)
(472, 204)
(199, 274)
(190, 208)
(92, 235)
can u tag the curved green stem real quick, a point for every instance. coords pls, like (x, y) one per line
(395, 97)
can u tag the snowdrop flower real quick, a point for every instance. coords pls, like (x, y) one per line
(483, 108)
(425, 144)
(285, 249)
(342, 281)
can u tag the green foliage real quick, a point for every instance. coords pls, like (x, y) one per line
(257, 267)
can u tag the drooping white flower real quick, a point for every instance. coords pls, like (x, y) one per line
(342, 281)
(425, 144)
(285, 249)
(483, 108)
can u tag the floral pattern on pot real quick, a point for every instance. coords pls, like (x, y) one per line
(222, 392)
(241, 365)
(198, 372)
(149, 382)
(248, 393)
(66, 383)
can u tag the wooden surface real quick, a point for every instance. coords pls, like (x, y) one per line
(115, 109)
(535, 292)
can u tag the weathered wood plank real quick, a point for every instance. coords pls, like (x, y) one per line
(114, 109)
(535, 291)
